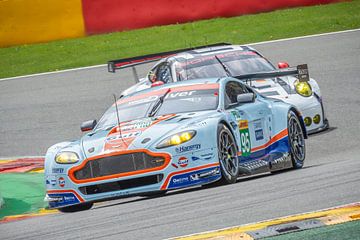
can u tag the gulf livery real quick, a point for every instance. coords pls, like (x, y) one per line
(173, 136)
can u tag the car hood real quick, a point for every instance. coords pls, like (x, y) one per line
(140, 133)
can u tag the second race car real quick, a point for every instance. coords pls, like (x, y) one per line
(241, 62)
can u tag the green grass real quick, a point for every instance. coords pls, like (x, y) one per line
(344, 231)
(22, 193)
(99, 49)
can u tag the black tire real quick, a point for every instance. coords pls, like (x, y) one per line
(155, 194)
(76, 208)
(296, 141)
(227, 151)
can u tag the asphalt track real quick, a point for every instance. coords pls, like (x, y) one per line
(36, 112)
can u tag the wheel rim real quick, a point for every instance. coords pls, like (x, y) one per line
(228, 153)
(296, 139)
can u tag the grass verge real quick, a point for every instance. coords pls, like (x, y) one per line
(344, 231)
(22, 193)
(98, 49)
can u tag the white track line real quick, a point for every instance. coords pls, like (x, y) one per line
(258, 43)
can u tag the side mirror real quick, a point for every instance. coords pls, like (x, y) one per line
(283, 65)
(88, 125)
(246, 98)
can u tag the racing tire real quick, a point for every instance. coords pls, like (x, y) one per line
(227, 151)
(76, 208)
(296, 141)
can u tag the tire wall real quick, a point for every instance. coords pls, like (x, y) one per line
(34, 21)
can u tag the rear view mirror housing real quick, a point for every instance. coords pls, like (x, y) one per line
(283, 65)
(88, 125)
(245, 98)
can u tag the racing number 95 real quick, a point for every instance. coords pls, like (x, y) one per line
(244, 138)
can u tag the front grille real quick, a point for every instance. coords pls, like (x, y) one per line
(125, 163)
(121, 185)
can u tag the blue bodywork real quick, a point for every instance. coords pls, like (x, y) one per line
(195, 162)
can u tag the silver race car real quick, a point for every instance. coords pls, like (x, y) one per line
(241, 62)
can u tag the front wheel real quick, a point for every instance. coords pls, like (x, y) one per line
(227, 152)
(296, 141)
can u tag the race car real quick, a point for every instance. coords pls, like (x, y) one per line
(174, 136)
(221, 60)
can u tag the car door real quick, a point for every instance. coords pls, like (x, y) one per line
(253, 122)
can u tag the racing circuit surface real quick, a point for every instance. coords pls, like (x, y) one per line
(39, 111)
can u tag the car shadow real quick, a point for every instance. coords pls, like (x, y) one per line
(330, 129)
(196, 188)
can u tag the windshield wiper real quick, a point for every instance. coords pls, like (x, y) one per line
(224, 67)
(158, 103)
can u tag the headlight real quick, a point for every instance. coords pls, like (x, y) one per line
(66, 157)
(307, 121)
(303, 88)
(316, 119)
(176, 139)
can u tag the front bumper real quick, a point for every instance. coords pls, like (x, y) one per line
(194, 168)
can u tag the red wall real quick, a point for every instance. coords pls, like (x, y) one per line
(102, 16)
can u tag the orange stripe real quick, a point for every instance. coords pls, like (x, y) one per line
(277, 137)
(65, 191)
(165, 155)
(163, 187)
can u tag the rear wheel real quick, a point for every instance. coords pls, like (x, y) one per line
(296, 141)
(227, 152)
(76, 208)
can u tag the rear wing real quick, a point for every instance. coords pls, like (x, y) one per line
(113, 65)
(300, 71)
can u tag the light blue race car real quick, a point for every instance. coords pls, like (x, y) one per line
(174, 136)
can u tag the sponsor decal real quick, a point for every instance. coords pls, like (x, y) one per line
(205, 156)
(259, 134)
(129, 131)
(123, 136)
(57, 170)
(179, 94)
(188, 148)
(245, 143)
(180, 180)
(62, 199)
(195, 177)
(236, 115)
(53, 182)
(61, 182)
(183, 161)
(195, 158)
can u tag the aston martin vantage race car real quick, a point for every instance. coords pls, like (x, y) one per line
(241, 62)
(175, 136)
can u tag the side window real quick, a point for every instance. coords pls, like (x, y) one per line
(232, 90)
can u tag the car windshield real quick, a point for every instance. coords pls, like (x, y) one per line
(199, 97)
(237, 62)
